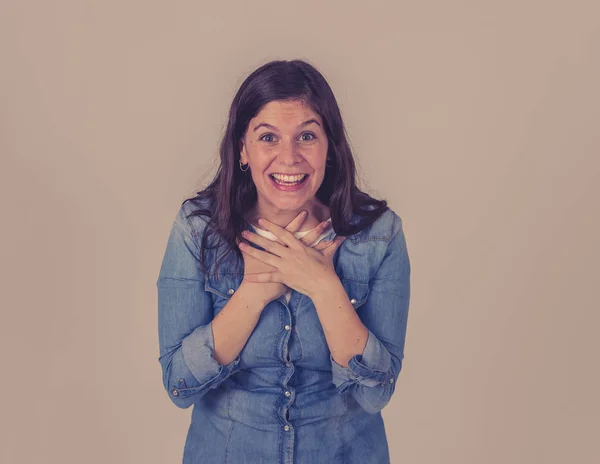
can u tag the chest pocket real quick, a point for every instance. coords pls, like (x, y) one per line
(358, 292)
(315, 350)
(222, 289)
(261, 348)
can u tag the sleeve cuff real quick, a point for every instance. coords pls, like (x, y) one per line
(371, 368)
(198, 353)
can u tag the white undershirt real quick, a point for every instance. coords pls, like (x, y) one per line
(271, 236)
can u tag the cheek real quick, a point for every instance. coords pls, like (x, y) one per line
(260, 160)
(321, 168)
(258, 177)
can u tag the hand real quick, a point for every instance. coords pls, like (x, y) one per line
(272, 290)
(296, 264)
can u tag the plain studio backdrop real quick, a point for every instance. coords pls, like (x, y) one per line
(478, 121)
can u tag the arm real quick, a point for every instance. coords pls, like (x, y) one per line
(370, 373)
(186, 329)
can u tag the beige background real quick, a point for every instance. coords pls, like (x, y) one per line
(478, 121)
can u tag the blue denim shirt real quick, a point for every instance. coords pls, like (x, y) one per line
(283, 399)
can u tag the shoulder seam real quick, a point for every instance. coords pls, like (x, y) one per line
(192, 232)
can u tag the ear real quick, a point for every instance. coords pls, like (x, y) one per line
(243, 155)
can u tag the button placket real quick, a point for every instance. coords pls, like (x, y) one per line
(287, 393)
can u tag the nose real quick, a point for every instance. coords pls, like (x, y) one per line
(288, 154)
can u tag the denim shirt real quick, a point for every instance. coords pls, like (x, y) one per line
(283, 399)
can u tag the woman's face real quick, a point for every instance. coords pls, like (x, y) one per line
(288, 138)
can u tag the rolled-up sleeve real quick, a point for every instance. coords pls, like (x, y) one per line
(372, 375)
(185, 313)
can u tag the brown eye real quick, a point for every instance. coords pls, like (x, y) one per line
(311, 135)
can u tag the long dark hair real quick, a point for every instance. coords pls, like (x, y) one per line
(232, 191)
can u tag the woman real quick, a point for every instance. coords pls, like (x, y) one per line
(285, 331)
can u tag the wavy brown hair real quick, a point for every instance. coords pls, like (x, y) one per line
(232, 192)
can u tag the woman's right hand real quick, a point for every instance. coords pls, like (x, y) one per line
(268, 291)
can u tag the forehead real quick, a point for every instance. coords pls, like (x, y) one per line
(285, 112)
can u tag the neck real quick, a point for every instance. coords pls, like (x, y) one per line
(317, 213)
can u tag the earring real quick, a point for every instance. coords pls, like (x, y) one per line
(247, 166)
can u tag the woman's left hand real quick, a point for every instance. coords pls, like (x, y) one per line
(299, 266)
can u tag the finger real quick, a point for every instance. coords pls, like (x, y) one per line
(263, 277)
(327, 243)
(280, 233)
(322, 245)
(295, 223)
(315, 233)
(335, 244)
(261, 255)
(271, 246)
(248, 261)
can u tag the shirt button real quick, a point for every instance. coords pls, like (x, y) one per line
(175, 392)
(287, 327)
(392, 380)
(286, 427)
(288, 364)
(287, 393)
(230, 291)
(353, 301)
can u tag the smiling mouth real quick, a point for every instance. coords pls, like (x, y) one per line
(281, 182)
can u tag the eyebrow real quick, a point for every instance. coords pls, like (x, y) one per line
(305, 123)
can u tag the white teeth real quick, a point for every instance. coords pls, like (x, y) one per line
(286, 178)
(280, 182)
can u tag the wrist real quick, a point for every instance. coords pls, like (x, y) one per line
(252, 295)
(323, 284)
